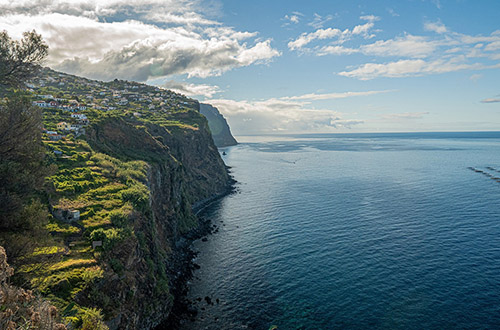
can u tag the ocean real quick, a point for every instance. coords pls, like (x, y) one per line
(354, 231)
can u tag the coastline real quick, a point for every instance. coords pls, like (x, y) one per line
(184, 257)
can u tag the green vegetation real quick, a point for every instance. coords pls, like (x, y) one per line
(72, 211)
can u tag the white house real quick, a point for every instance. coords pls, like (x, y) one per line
(78, 115)
(41, 104)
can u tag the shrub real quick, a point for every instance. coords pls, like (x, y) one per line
(138, 195)
(92, 320)
(119, 217)
(109, 237)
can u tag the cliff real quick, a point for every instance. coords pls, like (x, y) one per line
(221, 132)
(128, 177)
(184, 168)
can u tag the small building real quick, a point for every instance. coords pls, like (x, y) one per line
(66, 215)
(63, 126)
(55, 137)
(41, 104)
(96, 244)
(78, 115)
(83, 122)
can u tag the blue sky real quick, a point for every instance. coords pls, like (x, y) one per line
(290, 66)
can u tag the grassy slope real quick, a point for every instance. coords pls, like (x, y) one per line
(107, 191)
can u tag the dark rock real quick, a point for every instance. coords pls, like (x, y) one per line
(221, 133)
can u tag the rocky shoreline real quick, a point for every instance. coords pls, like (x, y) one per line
(183, 309)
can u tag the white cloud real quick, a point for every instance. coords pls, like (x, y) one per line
(319, 21)
(445, 51)
(437, 27)
(279, 116)
(306, 38)
(84, 39)
(407, 46)
(336, 50)
(362, 29)
(291, 19)
(164, 11)
(370, 18)
(330, 33)
(493, 46)
(404, 68)
(191, 90)
(287, 114)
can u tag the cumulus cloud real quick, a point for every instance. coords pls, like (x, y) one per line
(85, 39)
(164, 11)
(330, 33)
(190, 89)
(445, 51)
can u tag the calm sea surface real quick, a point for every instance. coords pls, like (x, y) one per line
(390, 231)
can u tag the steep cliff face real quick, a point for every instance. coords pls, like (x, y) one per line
(221, 132)
(185, 169)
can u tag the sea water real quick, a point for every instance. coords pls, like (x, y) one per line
(359, 231)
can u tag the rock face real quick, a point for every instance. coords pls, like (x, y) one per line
(218, 126)
(185, 169)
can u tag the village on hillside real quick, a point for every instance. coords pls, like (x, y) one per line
(92, 195)
(70, 103)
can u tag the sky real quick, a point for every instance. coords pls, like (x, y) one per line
(289, 66)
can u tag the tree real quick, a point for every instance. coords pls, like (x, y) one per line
(20, 60)
(22, 168)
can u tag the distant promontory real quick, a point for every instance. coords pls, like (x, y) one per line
(221, 132)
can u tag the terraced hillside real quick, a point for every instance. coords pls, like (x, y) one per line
(129, 162)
